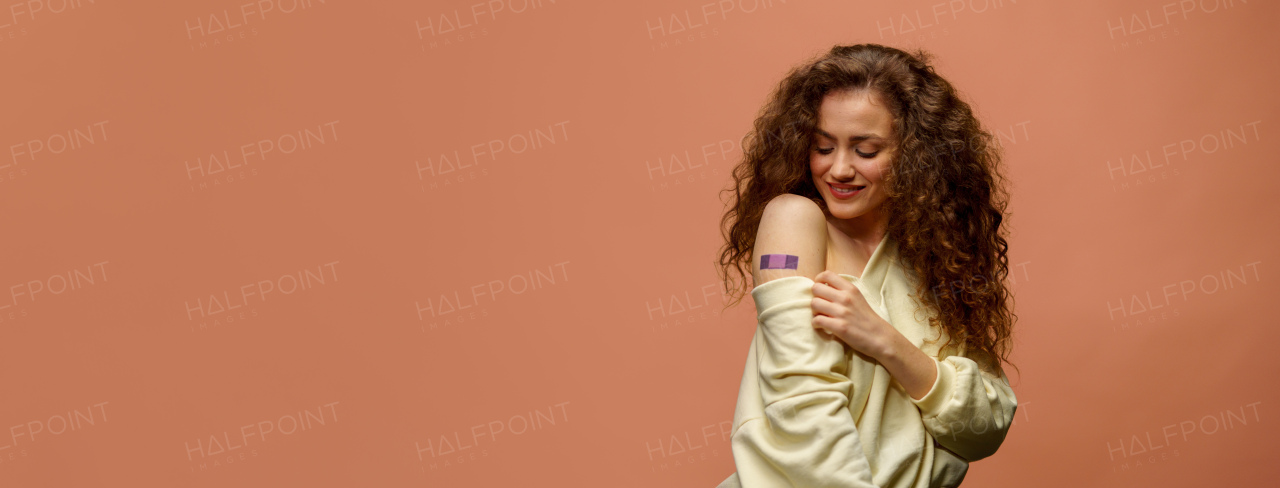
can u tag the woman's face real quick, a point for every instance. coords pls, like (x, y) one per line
(851, 152)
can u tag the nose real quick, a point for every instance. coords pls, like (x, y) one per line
(842, 168)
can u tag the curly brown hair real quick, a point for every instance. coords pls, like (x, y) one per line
(945, 196)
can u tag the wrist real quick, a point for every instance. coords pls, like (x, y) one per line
(911, 367)
(894, 347)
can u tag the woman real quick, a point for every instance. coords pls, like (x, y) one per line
(880, 271)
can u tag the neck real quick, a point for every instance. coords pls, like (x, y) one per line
(866, 230)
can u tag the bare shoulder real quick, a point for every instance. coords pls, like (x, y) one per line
(791, 225)
(794, 206)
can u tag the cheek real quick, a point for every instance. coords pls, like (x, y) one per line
(816, 165)
(876, 170)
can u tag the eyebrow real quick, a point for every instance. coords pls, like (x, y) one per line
(854, 138)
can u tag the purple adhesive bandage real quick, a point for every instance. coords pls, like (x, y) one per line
(779, 261)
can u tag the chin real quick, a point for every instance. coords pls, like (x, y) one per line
(845, 215)
(843, 210)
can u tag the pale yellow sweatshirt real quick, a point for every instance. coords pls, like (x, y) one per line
(813, 412)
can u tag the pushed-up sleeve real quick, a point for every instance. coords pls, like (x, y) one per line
(807, 436)
(970, 407)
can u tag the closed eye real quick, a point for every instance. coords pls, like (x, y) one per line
(826, 151)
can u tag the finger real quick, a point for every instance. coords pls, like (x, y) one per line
(841, 283)
(821, 277)
(821, 324)
(835, 280)
(824, 307)
(825, 291)
(829, 326)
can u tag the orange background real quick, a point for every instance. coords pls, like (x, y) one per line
(466, 314)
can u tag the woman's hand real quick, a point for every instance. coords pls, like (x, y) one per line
(840, 309)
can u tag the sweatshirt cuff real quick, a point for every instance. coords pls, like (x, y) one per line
(932, 403)
(782, 290)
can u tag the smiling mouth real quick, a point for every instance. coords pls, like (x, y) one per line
(845, 190)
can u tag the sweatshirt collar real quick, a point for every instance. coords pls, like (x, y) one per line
(878, 265)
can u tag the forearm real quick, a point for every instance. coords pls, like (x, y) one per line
(965, 409)
(911, 367)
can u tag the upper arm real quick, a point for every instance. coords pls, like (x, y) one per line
(791, 224)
